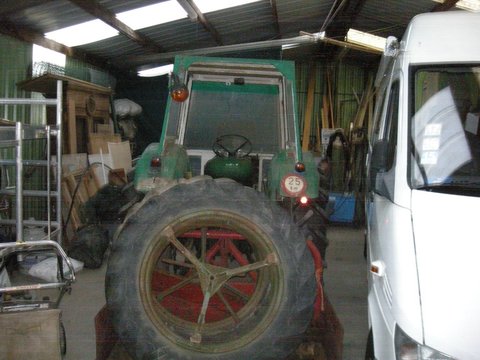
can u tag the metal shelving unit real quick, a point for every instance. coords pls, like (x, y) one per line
(51, 243)
(14, 137)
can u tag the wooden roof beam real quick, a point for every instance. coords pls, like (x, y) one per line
(97, 10)
(276, 24)
(189, 6)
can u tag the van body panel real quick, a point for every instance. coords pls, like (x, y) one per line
(402, 189)
(423, 195)
(395, 294)
(448, 247)
(454, 39)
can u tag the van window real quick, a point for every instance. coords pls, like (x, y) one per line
(391, 124)
(444, 128)
(384, 181)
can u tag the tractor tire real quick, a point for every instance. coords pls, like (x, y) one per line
(176, 293)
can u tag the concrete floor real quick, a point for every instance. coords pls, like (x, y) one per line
(345, 280)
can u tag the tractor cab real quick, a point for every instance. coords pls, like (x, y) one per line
(232, 118)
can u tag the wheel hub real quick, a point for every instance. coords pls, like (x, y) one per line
(212, 277)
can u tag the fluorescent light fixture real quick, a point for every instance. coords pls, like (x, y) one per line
(157, 71)
(83, 33)
(470, 5)
(206, 6)
(366, 39)
(153, 15)
(41, 54)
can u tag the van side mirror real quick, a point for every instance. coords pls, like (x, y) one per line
(382, 176)
(378, 162)
(379, 156)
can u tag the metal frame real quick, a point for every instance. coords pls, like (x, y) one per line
(21, 247)
(23, 132)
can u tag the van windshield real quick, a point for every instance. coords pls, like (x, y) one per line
(445, 129)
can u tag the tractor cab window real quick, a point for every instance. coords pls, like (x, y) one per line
(218, 108)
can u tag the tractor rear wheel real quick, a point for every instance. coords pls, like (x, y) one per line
(210, 270)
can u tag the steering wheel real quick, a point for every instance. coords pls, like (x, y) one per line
(232, 145)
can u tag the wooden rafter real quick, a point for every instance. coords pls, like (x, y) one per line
(107, 16)
(273, 5)
(202, 20)
(446, 5)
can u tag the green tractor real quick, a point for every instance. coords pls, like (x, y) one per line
(216, 261)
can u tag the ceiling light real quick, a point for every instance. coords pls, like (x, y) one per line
(206, 6)
(470, 5)
(151, 15)
(366, 39)
(157, 71)
(83, 33)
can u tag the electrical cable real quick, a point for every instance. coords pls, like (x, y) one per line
(330, 17)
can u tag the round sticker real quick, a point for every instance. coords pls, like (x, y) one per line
(293, 185)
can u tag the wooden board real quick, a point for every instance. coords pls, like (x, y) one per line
(307, 123)
(74, 221)
(99, 142)
(121, 155)
(104, 129)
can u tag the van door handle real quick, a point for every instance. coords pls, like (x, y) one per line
(377, 268)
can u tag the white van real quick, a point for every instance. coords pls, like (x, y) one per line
(423, 202)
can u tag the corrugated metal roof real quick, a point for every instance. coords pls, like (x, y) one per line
(253, 20)
(390, 17)
(242, 24)
(51, 15)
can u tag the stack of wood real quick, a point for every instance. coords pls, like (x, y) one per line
(77, 187)
(315, 126)
(83, 175)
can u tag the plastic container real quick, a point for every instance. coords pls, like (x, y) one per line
(342, 207)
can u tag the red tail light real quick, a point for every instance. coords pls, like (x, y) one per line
(156, 162)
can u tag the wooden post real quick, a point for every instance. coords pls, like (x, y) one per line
(307, 123)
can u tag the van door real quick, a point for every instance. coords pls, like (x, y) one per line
(382, 217)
